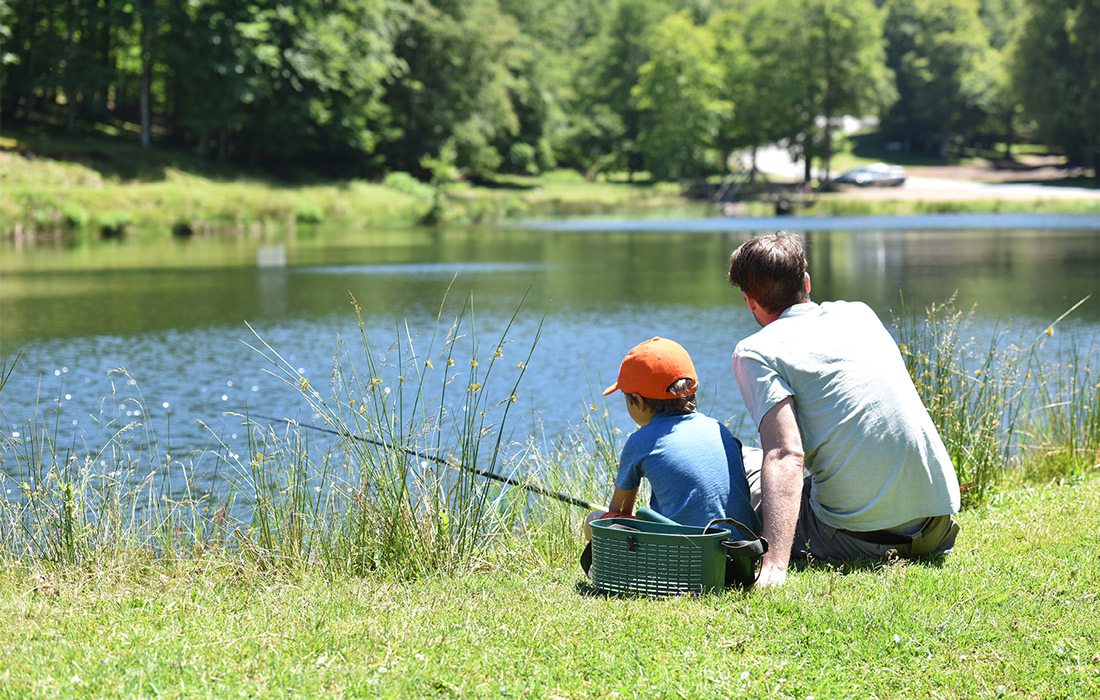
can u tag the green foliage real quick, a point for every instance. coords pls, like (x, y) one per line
(403, 182)
(359, 88)
(790, 73)
(1055, 69)
(678, 97)
(309, 212)
(606, 119)
(460, 61)
(940, 53)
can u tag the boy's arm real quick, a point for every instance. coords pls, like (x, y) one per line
(622, 501)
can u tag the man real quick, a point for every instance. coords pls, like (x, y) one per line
(828, 390)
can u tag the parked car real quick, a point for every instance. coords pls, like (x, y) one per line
(874, 175)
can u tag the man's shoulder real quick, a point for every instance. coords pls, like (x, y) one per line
(841, 307)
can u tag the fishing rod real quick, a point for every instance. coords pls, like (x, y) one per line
(533, 488)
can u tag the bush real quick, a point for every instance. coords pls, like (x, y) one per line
(309, 212)
(407, 184)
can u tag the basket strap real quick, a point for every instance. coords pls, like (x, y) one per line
(753, 547)
(736, 523)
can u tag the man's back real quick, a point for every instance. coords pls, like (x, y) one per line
(874, 454)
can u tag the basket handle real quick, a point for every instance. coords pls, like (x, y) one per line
(753, 547)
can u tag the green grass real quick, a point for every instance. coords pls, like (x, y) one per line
(1010, 613)
(89, 187)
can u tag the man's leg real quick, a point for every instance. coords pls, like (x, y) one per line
(813, 539)
(753, 460)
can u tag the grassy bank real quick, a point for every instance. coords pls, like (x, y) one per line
(1010, 613)
(366, 569)
(93, 188)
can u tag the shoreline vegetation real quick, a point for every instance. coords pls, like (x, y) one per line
(295, 568)
(78, 189)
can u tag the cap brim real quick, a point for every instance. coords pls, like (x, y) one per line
(611, 389)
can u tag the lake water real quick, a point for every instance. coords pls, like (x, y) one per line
(173, 313)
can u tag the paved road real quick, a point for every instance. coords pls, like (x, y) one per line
(776, 161)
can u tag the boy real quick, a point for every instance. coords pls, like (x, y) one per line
(692, 462)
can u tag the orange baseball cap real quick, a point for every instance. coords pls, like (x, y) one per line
(650, 368)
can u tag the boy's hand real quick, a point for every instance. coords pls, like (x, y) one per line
(612, 514)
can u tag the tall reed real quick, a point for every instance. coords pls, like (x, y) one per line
(998, 404)
(71, 502)
(378, 505)
(1063, 422)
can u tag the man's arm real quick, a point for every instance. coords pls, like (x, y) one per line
(780, 487)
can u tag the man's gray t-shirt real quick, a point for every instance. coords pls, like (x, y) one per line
(875, 458)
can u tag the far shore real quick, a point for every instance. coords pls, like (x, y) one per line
(59, 196)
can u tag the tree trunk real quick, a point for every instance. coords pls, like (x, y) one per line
(827, 155)
(148, 27)
(146, 86)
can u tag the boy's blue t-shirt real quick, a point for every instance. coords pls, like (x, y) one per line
(694, 468)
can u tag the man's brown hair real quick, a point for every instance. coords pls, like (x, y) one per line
(772, 270)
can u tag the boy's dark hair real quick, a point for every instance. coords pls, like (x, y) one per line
(772, 270)
(673, 407)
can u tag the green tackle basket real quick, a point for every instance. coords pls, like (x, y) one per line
(631, 556)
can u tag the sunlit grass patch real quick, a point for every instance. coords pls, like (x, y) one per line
(1009, 613)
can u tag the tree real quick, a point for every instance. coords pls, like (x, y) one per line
(605, 115)
(5, 56)
(1056, 69)
(792, 71)
(283, 80)
(844, 63)
(759, 74)
(545, 63)
(454, 94)
(940, 53)
(678, 96)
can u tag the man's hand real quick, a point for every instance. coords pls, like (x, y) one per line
(771, 576)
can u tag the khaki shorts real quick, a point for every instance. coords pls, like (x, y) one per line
(814, 539)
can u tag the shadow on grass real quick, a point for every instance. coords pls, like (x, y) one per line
(873, 146)
(585, 588)
(119, 156)
(1076, 181)
(868, 564)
